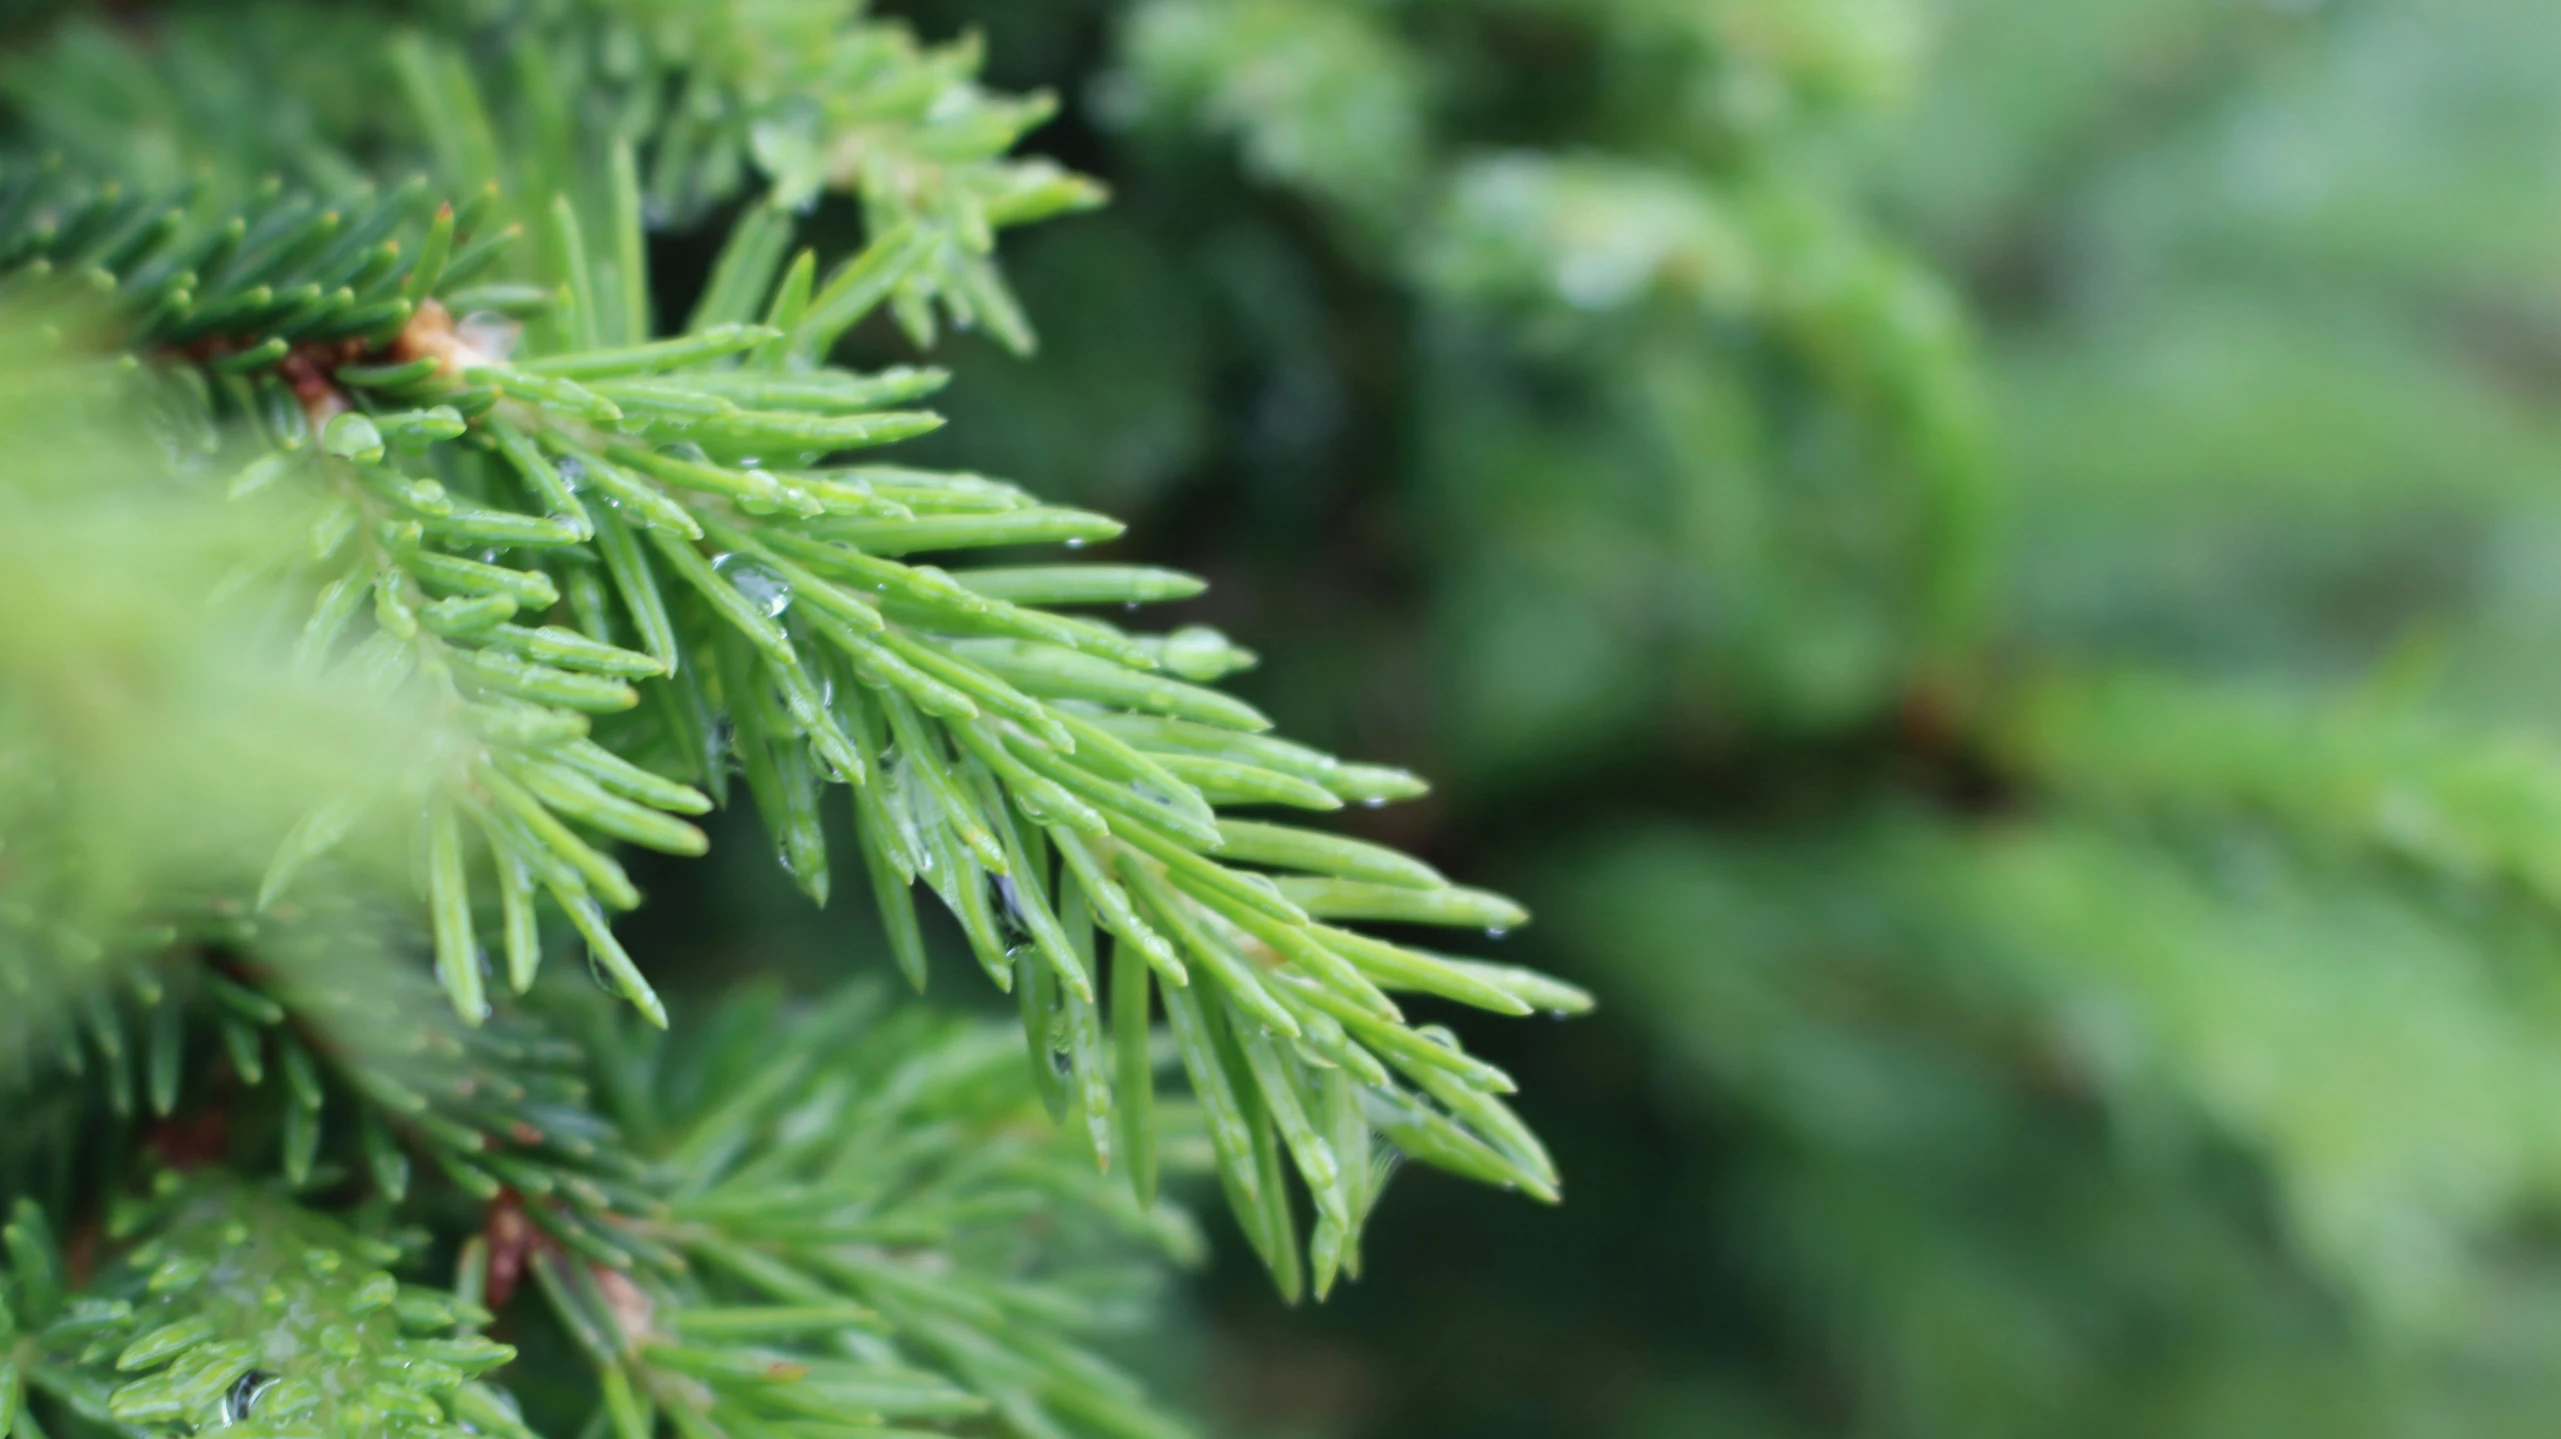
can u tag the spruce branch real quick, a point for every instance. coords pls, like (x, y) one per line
(703, 102)
(799, 1215)
(2359, 775)
(817, 97)
(1596, 265)
(603, 566)
(225, 1306)
(875, 1220)
(1027, 764)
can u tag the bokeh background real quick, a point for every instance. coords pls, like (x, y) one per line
(1991, 569)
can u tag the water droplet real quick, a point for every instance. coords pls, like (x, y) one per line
(1495, 931)
(572, 473)
(1130, 605)
(757, 581)
(1009, 906)
(1076, 544)
(687, 451)
(1197, 652)
(492, 334)
(1374, 802)
(244, 1394)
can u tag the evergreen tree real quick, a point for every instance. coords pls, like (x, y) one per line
(1980, 560)
(389, 545)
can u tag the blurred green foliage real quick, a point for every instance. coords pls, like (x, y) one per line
(1985, 566)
